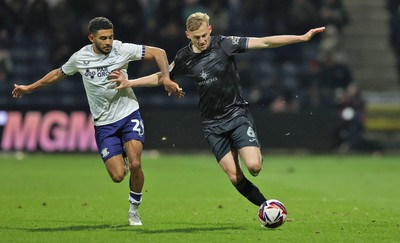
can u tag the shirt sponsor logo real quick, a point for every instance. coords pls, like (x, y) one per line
(204, 75)
(90, 74)
(98, 72)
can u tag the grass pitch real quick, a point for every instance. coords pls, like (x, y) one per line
(187, 198)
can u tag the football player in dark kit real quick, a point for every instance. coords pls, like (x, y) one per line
(228, 126)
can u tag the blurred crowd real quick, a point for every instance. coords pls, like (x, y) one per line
(393, 7)
(40, 35)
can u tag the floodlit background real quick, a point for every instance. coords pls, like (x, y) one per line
(322, 108)
(336, 93)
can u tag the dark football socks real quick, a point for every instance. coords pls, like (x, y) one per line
(250, 191)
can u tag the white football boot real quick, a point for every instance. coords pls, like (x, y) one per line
(134, 218)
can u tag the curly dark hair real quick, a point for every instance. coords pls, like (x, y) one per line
(99, 23)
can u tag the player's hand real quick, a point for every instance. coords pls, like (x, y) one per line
(307, 36)
(118, 77)
(20, 90)
(173, 88)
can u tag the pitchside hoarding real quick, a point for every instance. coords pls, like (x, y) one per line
(52, 131)
(165, 129)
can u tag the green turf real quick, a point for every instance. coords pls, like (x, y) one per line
(187, 198)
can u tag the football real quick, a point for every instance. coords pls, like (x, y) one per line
(272, 213)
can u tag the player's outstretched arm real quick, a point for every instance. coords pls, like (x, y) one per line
(152, 80)
(50, 78)
(281, 40)
(122, 82)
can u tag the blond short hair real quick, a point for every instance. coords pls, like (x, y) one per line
(195, 20)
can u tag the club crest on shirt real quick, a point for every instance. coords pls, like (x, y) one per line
(235, 40)
(212, 55)
(104, 152)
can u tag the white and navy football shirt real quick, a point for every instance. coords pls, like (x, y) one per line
(107, 105)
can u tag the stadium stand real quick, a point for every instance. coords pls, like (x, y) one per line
(40, 35)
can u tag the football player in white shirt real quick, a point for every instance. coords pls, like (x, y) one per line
(119, 129)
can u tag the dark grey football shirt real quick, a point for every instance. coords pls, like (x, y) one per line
(216, 77)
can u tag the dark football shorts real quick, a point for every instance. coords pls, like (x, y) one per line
(110, 138)
(237, 133)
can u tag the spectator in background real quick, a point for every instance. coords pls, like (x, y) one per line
(6, 66)
(101, 8)
(266, 90)
(303, 16)
(129, 19)
(37, 21)
(335, 74)
(393, 7)
(170, 24)
(334, 13)
(255, 21)
(18, 10)
(286, 102)
(169, 36)
(150, 25)
(236, 16)
(274, 11)
(312, 99)
(192, 6)
(311, 75)
(218, 10)
(161, 26)
(164, 10)
(310, 78)
(82, 8)
(330, 43)
(352, 115)
(66, 39)
(7, 22)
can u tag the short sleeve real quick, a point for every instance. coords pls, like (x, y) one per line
(233, 44)
(70, 67)
(178, 68)
(135, 52)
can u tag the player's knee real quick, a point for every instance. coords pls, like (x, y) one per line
(117, 177)
(135, 166)
(255, 168)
